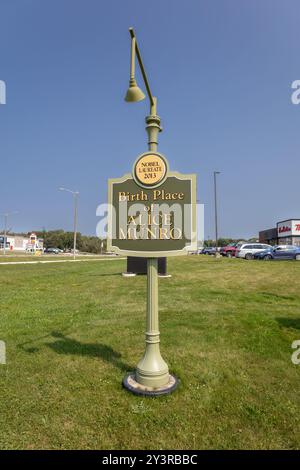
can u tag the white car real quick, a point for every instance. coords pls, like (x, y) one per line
(247, 250)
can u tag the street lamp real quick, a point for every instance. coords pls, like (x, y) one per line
(75, 196)
(6, 215)
(134, 94)
(152, 371)
(216, 209)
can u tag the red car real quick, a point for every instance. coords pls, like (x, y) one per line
(228, 250)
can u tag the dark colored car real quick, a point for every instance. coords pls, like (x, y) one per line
(209, 250)
(283, 252)
(55, 251)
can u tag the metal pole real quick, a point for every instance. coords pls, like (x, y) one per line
(5, 230)
(75, 196)
(216, 208)
(75, 223)
(132, 59)
(136, 47)
(152, 371)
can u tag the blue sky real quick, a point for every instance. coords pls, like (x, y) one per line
(222, 71)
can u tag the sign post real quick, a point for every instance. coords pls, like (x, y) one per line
(151, 213)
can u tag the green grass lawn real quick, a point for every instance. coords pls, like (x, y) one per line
(72, 330)
(13, 257)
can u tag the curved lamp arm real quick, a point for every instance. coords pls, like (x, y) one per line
(136, 47)
(139, 95)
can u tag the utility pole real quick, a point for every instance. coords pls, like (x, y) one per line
(216, 209)
(75, 196)
(6, 215)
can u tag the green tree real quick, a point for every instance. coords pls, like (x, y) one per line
(65, 240)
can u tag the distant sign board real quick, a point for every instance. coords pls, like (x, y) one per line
(288, 228)
(152, 212)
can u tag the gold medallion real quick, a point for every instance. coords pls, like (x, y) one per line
(150, 170)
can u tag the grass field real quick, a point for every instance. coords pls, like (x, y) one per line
(72, 330)
(13, 257)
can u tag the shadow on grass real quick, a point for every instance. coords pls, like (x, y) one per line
(289, 322)
(65, 345)
(102, 274)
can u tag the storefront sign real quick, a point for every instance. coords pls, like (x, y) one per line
(288, 228)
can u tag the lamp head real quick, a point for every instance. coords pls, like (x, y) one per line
(134, 93)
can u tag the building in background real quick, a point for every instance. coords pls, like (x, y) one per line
(20, 243)
(286, 232)
(268, 236)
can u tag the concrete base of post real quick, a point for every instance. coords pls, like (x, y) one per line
(130, 383)
(128, 274)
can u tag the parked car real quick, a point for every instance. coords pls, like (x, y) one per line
(55, 251)
(229, 250)
(196, 252)
(248, 250)
(209, 250)
(279, 252)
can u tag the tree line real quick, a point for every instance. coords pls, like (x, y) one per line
(227, 241)
(64, 241)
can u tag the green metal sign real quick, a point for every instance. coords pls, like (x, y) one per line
(152, 213)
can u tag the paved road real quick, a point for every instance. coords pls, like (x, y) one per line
(59, 261)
